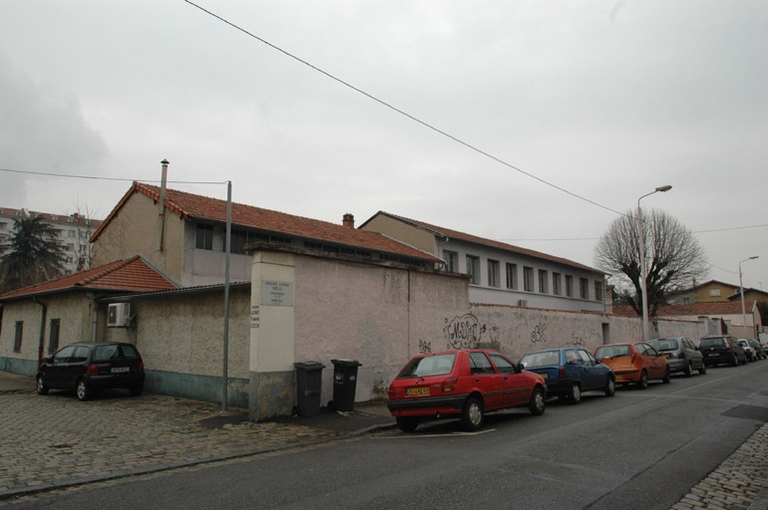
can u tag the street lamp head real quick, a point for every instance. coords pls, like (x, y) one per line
(753, 257)
(664, 189)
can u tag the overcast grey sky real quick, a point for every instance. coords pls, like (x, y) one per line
(604, 99)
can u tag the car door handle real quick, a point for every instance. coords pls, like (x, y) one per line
(477, 379)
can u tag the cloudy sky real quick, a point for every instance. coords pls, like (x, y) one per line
(583, 106)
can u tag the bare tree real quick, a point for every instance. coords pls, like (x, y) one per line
(86, 226)
(674, 258)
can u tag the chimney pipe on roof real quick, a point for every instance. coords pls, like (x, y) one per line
(161, 206)
(348, 221)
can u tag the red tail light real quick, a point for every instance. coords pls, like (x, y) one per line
(449, 384)
(561, 373)
(727, 343)
(392, 392)
(92, 370)
(141, 366)
(681, 355)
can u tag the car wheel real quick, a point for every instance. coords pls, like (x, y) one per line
(703, 369)
(42, 388)
(610, 387)
(407, 424)
(643, 382)
(83, 391)
(135, 391)
(536, 405)
(574, 397)
(472, 416)
(688, 369)
(667, 377)
(735, 360)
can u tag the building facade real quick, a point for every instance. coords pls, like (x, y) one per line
(501, 273)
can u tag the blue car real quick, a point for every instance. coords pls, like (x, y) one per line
(570, 371)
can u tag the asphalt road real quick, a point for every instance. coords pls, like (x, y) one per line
(637, 450)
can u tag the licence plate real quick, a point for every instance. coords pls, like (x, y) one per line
(422, 390)
(712, 354)
(119, 370)
(543, 375)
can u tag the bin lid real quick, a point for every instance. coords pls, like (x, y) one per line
(346, 362)
(309, 365)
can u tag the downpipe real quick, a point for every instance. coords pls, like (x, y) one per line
(41, 342)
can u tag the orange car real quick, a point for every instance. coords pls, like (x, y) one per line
(634, 363)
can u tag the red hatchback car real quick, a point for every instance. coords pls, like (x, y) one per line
(463, 384)
(634, 363)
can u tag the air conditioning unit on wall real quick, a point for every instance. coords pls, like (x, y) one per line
(118, 315)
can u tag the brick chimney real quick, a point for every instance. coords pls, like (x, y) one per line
(348, 221)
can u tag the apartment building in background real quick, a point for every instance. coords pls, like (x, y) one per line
(74, 232)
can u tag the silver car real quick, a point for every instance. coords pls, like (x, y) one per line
(681, 353)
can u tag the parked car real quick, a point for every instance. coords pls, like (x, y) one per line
(569, 372)
(681, 353)
(462, 383)
(634, 363)
(747, 349)
(719, 349)
(90, 366)
(759, 349)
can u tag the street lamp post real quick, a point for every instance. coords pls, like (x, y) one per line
(741, 292)
(643, 271)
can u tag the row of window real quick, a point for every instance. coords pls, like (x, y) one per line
(53, 336)
(561, 285)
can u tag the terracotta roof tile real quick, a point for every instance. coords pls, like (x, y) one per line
(718, 308)
(188, 206)
(455, 234)
(131, 275)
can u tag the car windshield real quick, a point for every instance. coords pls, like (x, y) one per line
(613, 351)
(440, 364)
(712, 342)
(114, 351)
(665, 344)
(541, 359)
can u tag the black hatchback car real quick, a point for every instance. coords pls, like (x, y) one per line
(89, 366)
(722, 349)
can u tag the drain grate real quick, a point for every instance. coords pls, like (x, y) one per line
(748, 413)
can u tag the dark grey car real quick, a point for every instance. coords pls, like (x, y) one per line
(682, 355)
(86, 367)
(721, 349)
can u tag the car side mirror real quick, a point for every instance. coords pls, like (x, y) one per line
(45, 360)
(520, 367)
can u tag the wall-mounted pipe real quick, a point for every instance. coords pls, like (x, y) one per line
(41, 342)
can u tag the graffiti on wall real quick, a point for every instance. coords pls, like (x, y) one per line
(425, 347)
(463, 332)
(538, 334)
(581, 341)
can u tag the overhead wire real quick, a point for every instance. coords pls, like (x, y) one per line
(400, 111)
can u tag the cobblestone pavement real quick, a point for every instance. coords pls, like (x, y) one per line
(57, 441)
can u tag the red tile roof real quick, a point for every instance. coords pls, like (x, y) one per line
(455, 234)
(692, 309)
(191, 206)
(129, 275)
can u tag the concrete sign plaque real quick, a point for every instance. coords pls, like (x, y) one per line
(276, 293)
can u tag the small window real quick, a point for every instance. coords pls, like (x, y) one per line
(511, 276)
(204, 237)
(53, 336)
(18, 336)
(239, 240)
(493, 273)
(584, 288)
(569, 285)
(473, 269)
(451, 261)
(598, 291)
(528, 279)
(557, 284)
(714, 292)
(543, 281)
